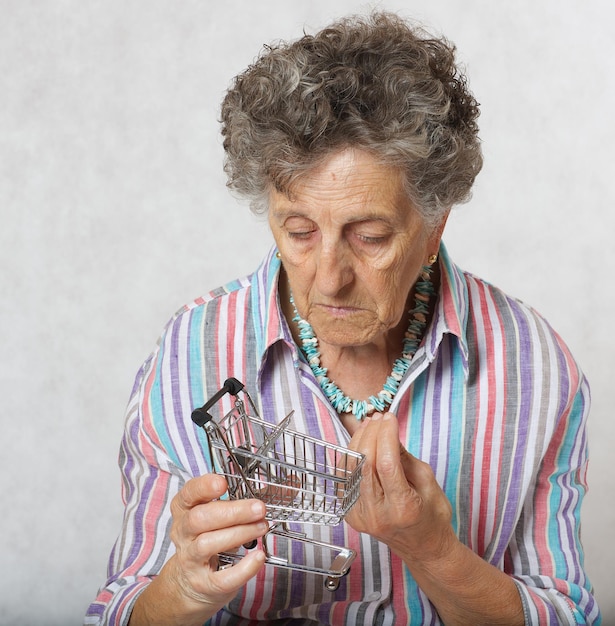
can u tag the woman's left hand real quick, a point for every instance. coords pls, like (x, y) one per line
(400, 502)
(402, 505)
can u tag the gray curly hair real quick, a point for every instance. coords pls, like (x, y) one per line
(373, 83)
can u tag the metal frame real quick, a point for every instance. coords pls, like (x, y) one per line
(299, 478)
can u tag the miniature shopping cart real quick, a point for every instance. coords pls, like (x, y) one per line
(299, 478)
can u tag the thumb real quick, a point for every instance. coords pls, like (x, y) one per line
(418, 473)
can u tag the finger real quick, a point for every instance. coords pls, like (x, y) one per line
(387, 444)
(207, 584)
(355, 441)
(222, 514)
(371, 494)
(418, 473)
(383, 474)
(367, 444)
(208, 544)
(236, 576)
(199, 490)
(388, 458)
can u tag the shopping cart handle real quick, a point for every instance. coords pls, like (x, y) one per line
(201, 416)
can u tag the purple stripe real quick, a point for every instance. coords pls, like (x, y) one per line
(520, 425)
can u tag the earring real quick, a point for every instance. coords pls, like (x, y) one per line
(278, 255)
(432, 259)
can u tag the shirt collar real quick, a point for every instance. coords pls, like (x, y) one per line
(450, 316)
(452, 309)
(270, 325)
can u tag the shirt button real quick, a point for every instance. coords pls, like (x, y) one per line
(371, 597)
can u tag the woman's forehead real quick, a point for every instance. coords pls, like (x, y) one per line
(350, 182)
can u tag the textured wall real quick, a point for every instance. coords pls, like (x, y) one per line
(114, 212)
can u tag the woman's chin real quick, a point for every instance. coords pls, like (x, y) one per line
(344, 334)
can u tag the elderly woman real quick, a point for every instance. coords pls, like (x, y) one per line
(357, 142)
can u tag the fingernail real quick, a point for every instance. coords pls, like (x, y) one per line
(387, 416)
(259, 555)
(257, 508)
(376, 416)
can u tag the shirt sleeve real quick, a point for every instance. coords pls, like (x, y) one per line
(546, 555)
(150, 479)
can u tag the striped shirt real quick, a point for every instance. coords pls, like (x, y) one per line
(493, 401)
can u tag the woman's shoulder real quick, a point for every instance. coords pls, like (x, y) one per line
(219, 296)
(486, 311)
(518, 328)
(221, 305)
(236, 292)
(486, 297)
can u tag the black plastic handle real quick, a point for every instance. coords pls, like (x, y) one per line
(201, 416)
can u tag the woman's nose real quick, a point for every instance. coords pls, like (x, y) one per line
(334, 271)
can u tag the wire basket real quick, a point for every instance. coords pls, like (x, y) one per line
(299, 478)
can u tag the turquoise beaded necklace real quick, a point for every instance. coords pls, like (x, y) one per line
(423, 292)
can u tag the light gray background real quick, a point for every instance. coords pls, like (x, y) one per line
(115, 212)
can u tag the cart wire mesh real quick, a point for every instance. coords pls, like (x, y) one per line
(299, 478)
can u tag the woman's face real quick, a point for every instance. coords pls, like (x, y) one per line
(352, 245)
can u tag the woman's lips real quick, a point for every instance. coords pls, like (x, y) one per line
(338, 311)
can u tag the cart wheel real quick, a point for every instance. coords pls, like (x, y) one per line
(331, 584)
(250, 544)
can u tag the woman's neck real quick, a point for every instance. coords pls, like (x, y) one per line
(361, 371)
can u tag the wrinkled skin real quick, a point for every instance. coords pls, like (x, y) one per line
(190, 588)
(401, 504)
(352, 246)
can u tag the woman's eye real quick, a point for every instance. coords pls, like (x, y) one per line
(301, 234)
(299, 228)
(373, 240)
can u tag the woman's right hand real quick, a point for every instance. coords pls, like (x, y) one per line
(190, 588)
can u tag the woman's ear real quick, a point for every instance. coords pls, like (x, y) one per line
(433, 241)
